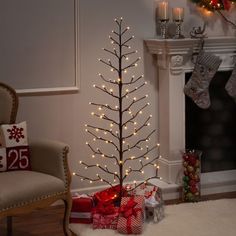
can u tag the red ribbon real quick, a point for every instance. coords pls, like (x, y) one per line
(128, 210)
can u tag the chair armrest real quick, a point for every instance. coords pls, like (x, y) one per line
(50, 157)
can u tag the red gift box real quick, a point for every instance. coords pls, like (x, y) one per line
(81, 211)
(105, 216)
(109, 194)
(131, 215)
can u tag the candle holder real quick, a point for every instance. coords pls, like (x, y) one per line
(178, 34)
(164, 25)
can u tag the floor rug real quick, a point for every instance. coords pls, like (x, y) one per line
(208, 218)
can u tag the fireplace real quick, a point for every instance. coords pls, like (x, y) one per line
(174, 66)
(213, 130)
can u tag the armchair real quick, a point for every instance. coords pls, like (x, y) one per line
(48, 181)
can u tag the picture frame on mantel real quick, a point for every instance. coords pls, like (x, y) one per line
(40, 46)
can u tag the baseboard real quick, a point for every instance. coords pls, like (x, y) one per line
(211, 183)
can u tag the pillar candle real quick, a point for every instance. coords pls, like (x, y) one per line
(178, 13)
(163, 10)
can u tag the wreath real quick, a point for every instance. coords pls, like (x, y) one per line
(215, 5)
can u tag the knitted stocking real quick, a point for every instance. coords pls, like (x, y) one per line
(197, 88)
(231, 84)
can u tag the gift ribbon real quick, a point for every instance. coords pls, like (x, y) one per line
(128, 210)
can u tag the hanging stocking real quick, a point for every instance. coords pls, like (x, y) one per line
(231, 84)
(197, 88)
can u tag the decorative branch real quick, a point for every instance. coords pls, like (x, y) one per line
(120, 139)
(226, 19)
(143, 156)
(139, 141)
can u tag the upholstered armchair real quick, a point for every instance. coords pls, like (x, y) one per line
(23, 191)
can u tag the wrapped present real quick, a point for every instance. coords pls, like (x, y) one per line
(131, 215)
(154, 213)
(81, 211)
(154, 204)
(105, 216)
(109, 194)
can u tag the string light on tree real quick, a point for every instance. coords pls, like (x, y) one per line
(119, 127)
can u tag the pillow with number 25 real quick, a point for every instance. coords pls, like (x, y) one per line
(14, 149)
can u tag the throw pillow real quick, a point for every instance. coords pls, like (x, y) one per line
(14, 158)
(13, 135)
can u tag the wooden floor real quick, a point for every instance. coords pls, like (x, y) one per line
(48, 222)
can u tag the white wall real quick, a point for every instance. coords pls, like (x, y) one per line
(62, 117)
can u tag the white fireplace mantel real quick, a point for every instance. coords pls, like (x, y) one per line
(174, 59)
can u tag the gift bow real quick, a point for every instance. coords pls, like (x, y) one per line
(129, 210)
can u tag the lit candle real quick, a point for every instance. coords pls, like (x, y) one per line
(163, 10)
(178, 13)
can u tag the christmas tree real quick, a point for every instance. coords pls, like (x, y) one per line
(119, 125)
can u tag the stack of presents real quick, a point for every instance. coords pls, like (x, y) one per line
(106, 210)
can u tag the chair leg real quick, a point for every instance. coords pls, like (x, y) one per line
(67, 203)
(9, 225)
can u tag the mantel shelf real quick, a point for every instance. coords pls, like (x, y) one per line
(176, 54)
(186, 45)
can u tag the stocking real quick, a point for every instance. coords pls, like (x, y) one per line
(231, 84)
(197, 88)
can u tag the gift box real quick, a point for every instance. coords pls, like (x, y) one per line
(105, 216)
(109, 195)
(131, 215)
(154, 213)
(81, 211)
(154, 204)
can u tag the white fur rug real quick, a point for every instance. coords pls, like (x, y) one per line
(209, 218)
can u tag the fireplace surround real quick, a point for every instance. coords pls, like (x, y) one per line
(173, 59)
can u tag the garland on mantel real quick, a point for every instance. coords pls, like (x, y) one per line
(215, 5)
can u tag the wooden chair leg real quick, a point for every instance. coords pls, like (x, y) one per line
(9, 226)
(67, 203)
